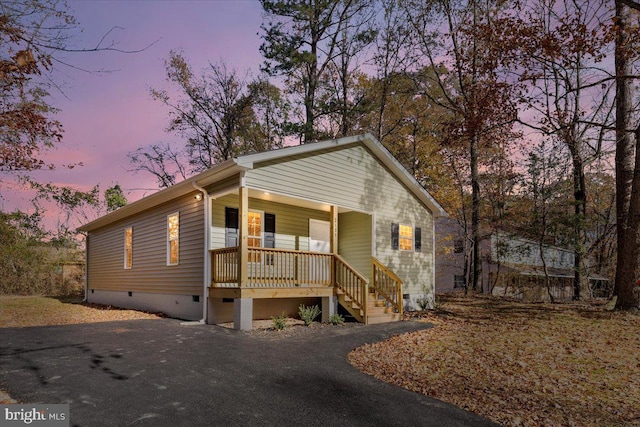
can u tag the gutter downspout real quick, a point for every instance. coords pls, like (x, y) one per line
(86, 268)
(207, 258)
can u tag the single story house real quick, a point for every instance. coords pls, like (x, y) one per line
(327, 223)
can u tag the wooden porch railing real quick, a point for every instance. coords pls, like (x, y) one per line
(269, 268)
(224, 265)
(387, 284)
(352, 283)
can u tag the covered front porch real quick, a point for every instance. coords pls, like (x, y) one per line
(270, 253)
(289, 274)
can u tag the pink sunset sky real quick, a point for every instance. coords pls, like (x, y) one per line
(107, 115)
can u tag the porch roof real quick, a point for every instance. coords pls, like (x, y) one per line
(247, 162)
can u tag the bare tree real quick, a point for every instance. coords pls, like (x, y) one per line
(162, 160)
(32, 34)
(567, 97)
(219, 115)
(448, 36)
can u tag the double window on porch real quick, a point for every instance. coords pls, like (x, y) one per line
(261, 231)
(267, 266)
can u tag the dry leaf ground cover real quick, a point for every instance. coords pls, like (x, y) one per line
(519, 364)
(22, 311)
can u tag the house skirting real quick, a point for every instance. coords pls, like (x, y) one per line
(187, 307)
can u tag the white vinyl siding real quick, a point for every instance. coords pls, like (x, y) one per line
(352, 177)
(354, 240)
(292, 223)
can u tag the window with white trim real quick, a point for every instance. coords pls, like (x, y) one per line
(405, 241)
(254, 220)
(173, 239)
(128, 248)
(254, 235)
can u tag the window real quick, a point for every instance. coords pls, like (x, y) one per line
(128, 248)
(261, 230)
(458, 281)
(173, 237)
(254, 219)
(254, 237)
(458, 246)
(406, 238)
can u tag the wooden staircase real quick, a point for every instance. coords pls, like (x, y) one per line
(375, 301)
(378, 310)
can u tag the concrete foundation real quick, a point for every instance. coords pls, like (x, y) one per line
(329, 307)
(243, 314)
(178, 306)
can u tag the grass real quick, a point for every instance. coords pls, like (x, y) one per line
(24, 311)
(519, 364)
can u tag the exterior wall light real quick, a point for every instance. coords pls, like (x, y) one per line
(198, 197)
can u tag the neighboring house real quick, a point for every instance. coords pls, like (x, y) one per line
(512, 266)
(450, 255)
(339, 221)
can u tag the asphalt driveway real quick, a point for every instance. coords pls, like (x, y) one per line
(161, 373)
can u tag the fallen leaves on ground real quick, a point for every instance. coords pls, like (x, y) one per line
(23, 311)
(519, 364)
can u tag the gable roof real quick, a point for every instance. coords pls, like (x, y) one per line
(247, 162)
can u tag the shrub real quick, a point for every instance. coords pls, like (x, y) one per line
(424, 302)
(308, 313)
(280, 322)
(336, 319)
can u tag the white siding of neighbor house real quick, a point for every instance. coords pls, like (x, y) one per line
(519, 251)
(149, 272)
(448, 263)
(292, 223)
(351, 177)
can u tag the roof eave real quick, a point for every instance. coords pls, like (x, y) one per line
(373, 145)
(205, 178)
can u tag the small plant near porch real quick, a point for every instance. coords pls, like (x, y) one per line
(336, 319)
(308, 313)
(280, 322)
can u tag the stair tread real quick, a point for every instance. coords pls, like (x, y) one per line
(384, 318)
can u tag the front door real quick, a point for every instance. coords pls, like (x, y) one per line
(319, 236)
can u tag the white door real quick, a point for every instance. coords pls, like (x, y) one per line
(319, 236)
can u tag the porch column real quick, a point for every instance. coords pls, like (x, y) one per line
(243, 314)
(334, 229)
(329, 307)
(243, 241)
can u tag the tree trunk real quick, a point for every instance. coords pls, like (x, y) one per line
(545, 269)
(627, 258)
(580, 200)
(475, 212)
